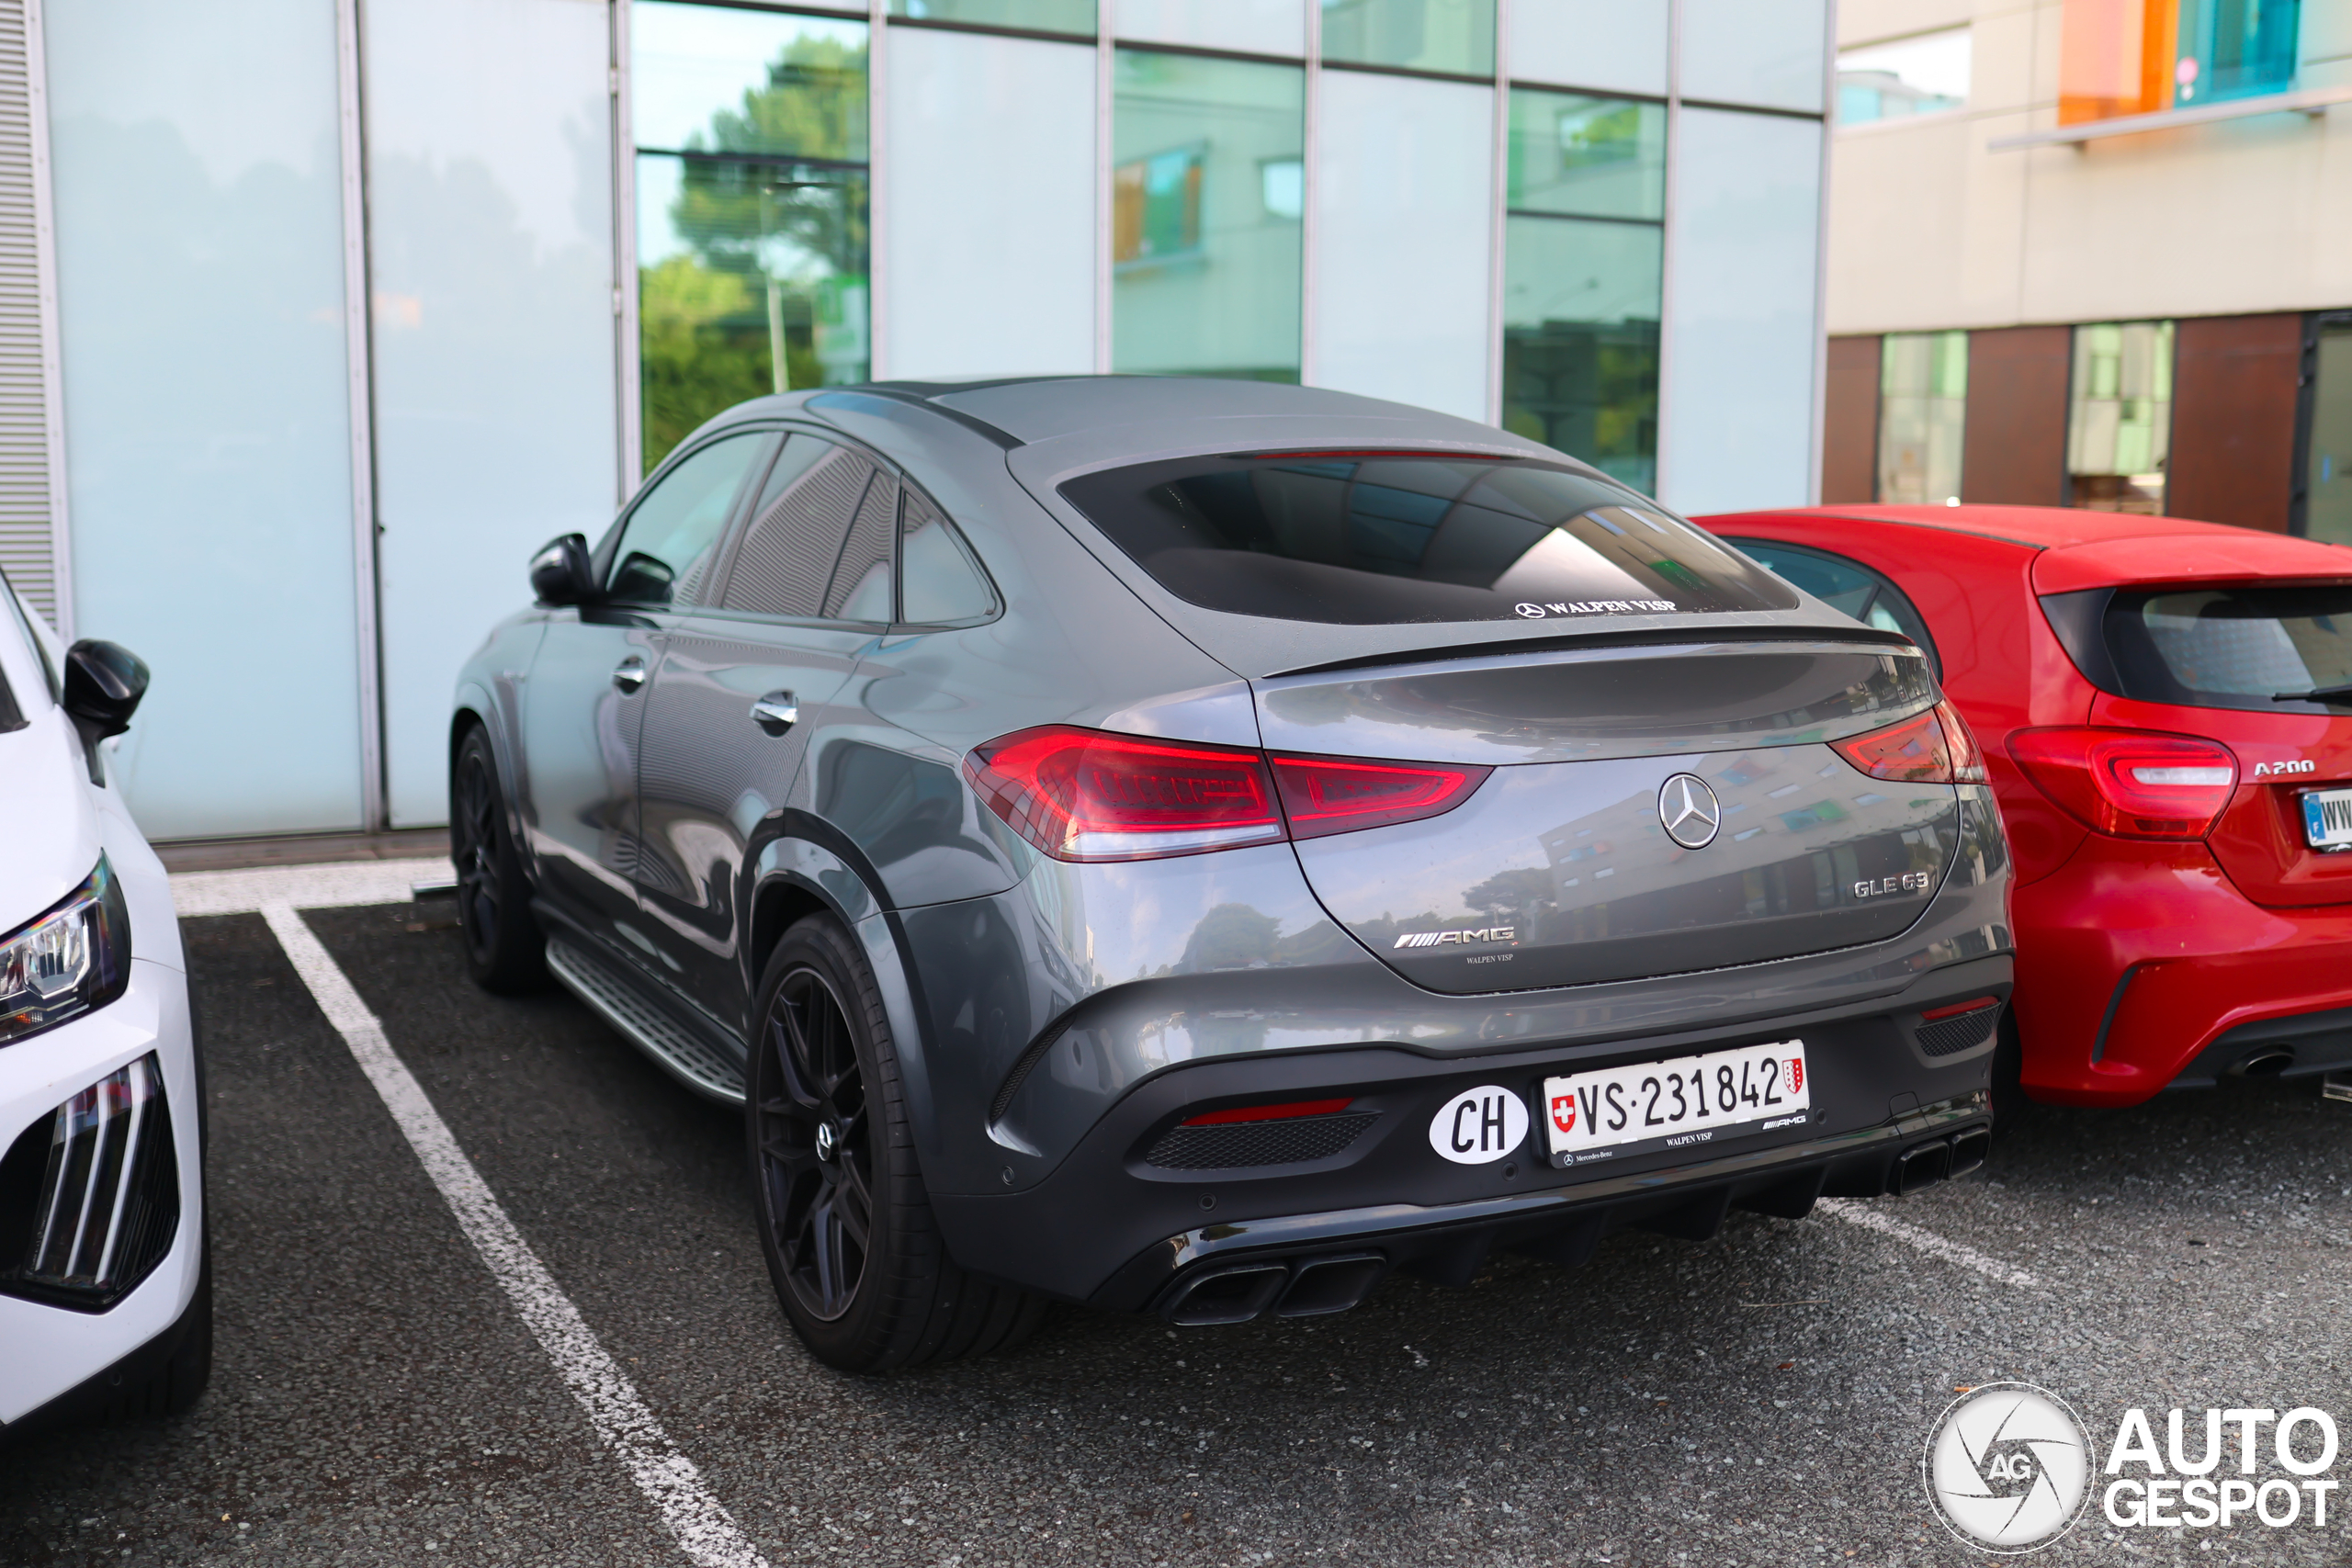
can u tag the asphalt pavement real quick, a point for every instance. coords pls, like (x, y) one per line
(1760, 1397)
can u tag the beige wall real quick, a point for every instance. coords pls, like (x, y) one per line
(1928, 229)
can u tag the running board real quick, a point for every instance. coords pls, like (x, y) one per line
(673, 1049)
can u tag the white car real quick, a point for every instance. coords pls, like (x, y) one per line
(105, 1299)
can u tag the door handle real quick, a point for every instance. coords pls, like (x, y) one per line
(776, 712)
(630, 673)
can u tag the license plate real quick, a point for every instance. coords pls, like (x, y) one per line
(1677, 1104)
(2327, 819)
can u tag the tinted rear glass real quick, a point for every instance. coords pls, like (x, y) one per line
(2260, 648)
(1383, 540)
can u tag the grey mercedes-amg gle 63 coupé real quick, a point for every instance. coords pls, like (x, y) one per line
(1196, 846)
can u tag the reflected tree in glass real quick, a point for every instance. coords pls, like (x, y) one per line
(764, 285)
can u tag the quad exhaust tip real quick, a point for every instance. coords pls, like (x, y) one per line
(1310, 1287)
(1924, 1165)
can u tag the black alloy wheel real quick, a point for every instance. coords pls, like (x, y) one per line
(505, 950)
(816, 1168)
(845, 1224)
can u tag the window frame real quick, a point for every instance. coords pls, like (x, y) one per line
(739, 523)
(1925, 637)
(906, 485)
(606, 555)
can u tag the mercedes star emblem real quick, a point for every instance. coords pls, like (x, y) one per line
(1690, 811)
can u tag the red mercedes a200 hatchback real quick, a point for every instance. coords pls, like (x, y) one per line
(2165, 707)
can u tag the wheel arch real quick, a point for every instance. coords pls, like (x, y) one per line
(476, 709)
(806, 868)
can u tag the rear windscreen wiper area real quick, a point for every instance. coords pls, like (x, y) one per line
(2318, 695)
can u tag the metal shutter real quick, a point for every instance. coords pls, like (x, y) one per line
(26, 528)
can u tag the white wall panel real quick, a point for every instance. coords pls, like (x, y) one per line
(987, 263)
(1610, 44)
(490, 256)
(1741, 326)
(1403, 195)
(1253, 26)
(199, 242)
(1767, 53)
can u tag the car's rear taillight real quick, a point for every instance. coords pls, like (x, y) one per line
(2130, 784)
(1967, 757)
(1335, 795)
(1088, 795)
(1935, 747)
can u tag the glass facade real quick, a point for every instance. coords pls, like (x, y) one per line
(2235, 49)
(2125, 57)
(1607, 44)
(1766, 53)
(593, 227)
(1926, 75)
(489, 241)
(1583, 278)
(988, 231)
(751, 208)
(1251, 27)
(1402, 260)
(2328, 505)
(1207, 192)
(2119, 416)
(1456, 36)
(200, 319)
(1922, 416)
(1075, 17)
(1742, 319)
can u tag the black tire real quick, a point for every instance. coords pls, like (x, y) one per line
(505, 951)
(851, 1246)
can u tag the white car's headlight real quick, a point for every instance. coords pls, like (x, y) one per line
(72, 960)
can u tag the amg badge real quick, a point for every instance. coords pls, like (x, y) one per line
(1437, 939)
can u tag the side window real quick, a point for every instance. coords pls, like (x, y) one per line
(1847, 585)
(798, 527)
(860, 590)
(671, 540)
(939, 583)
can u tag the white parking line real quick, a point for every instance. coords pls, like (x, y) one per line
(620, 1416)
(302, 887)
(1855, 1212)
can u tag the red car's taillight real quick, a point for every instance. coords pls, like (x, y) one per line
(1088, 795)
(1935, 747)
(2130, 784)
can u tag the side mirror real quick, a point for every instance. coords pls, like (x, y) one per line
(561, 573)
(104, 682)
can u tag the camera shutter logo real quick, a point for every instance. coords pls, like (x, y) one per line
(2007, 1467)
(1689, 812)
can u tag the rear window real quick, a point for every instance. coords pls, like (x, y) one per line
(2266, 649)
(1378, 540)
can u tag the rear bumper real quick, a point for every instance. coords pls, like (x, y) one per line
(1110, 1228)
(2142, 966)
(1286, 1260)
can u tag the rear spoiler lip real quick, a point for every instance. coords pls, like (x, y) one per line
(1660, 637)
